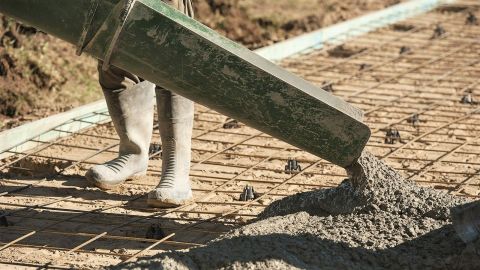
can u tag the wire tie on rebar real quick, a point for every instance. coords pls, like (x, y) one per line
(327, 86)
(248, 194)
(392, 135)
(155, 231)
(155, 150)
(471, 19)
(292, 166)
(468, 99)
(438, 32)
(231, 124)
(414, 120)
(404, 49)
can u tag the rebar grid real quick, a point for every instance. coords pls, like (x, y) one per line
(390, 74)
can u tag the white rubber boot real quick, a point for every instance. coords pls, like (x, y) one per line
(175, 115)
(131, 110)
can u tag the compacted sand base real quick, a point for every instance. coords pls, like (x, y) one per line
(373, 220)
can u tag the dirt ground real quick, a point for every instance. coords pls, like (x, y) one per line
(41, 75)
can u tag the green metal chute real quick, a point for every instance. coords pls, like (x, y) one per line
(154, 41)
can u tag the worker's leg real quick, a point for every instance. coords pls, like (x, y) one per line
(175, 116)
(175, 120)
(130, 104)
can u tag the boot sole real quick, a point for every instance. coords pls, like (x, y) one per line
(105, 186)
(155, 203)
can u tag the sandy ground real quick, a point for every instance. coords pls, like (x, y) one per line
(59, 212)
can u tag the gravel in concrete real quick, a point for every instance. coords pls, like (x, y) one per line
(374, 220)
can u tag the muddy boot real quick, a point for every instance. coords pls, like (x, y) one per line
(175, 115)
(131, 110)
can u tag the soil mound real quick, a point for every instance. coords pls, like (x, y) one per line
(374, 220)
(40, 75)
(259, 23)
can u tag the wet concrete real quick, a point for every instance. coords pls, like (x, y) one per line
(376, 219)
(371, 186)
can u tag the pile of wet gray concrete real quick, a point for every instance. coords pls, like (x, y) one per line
(374, 220)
